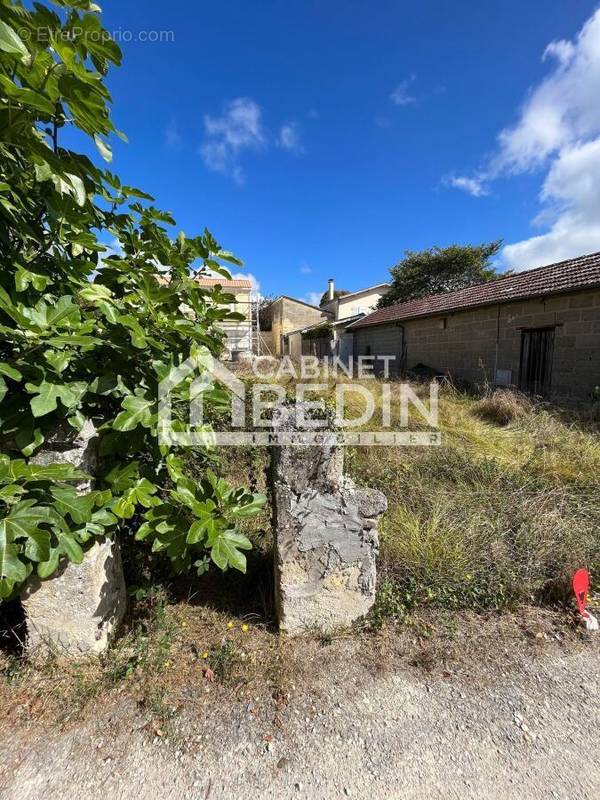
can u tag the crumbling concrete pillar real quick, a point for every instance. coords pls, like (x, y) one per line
(75, 611)
(326, 539)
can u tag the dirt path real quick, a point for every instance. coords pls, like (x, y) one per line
(532, 733)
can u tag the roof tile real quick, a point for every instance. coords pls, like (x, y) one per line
(565, 276)
(236, 283)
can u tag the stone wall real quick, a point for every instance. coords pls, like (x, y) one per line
(475, 344)
(326, 538)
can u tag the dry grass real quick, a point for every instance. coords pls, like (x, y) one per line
(503, 407)
(499, 515)
(178, 652)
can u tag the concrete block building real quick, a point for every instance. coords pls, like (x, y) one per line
(286, 314)
(538, 331)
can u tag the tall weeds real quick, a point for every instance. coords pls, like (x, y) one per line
(502, 513)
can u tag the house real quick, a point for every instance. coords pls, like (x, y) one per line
(280, 317)
(330, 336)
(349, 308)
(538, 331)
(239, 333)
(354, 304)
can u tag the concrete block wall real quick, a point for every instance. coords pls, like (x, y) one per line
(474, 344)
(380, 340)
(288, 315)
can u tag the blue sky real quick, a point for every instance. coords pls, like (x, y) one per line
(323, 138)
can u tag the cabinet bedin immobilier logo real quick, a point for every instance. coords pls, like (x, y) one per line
(323, 389)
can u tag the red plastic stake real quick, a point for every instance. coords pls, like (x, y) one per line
(581, 587)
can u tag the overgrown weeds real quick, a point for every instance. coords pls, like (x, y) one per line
(501, 514)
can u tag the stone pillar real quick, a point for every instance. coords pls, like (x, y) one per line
(75, 611)
(326, 539)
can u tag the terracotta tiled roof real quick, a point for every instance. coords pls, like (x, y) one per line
(236, 283)
(566, 276)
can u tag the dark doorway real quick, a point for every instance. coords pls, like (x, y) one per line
(537, 347)
(319, 346)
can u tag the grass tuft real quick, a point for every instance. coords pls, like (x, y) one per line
(503, 407)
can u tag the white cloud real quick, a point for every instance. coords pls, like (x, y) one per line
(473, 186)
(314, 298)
(239, 128)
(558, 130)
(289, 138)
(571, 194)
(561, 50)
(401, 95)
(249, 277)
(113, 248)
(305, 269)
(172, 135)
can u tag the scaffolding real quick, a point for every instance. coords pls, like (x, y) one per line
(242, 337)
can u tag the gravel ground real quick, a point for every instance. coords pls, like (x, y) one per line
(531, 732)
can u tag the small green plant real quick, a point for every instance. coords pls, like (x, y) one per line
(12, 668)
(224, 659)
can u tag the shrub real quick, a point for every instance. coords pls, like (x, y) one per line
(88, 332)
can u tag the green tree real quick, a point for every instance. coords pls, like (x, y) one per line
(440, 269)
(337, 293)
(86, 332)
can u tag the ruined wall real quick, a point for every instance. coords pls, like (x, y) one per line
(326, 538)
(239, 333)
